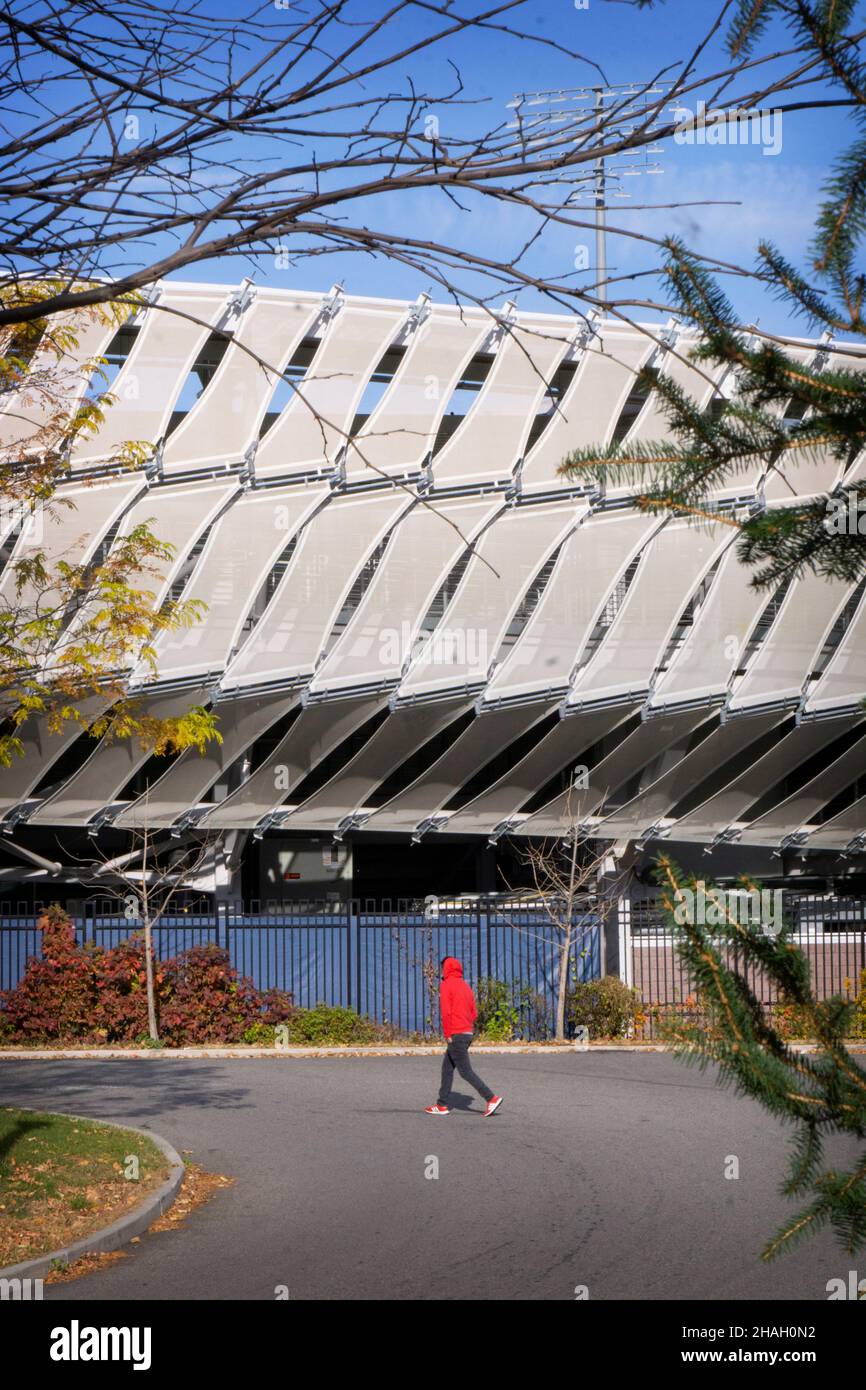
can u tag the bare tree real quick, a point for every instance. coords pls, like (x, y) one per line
(567, 875)
(146, 881)
(139, 139)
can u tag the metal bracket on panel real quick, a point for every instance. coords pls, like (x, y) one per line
(587, 331)
(427, 824)
(189, 820)
(425, 482)
(792, 841)
(504, 827)
(855, 846)
(724, 837)
(353, 821)
(22, 812)
(150, 296)
(418, 312)
(239, 301)
(153, 468)
(337, 476)
(826, 343)
(270, 822)
(106, 816)
(247, 475)
(656, 831)
(334, 302)
(515, 491)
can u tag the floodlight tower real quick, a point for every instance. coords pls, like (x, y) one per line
(590, 125)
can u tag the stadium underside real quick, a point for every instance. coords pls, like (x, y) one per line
(422, 642)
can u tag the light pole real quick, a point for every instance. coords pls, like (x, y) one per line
(555, 110)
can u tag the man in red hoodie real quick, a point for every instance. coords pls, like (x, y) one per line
(457, 1007)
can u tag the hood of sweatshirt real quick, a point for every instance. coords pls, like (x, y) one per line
(451, 967)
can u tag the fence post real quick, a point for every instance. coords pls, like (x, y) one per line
(624, 941)
(222, 937)
(350, 931)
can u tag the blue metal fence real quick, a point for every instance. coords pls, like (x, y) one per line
(381, 963)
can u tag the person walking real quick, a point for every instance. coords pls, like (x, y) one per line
(458, 1011)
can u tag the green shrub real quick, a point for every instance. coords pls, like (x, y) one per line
(261, 1034)
(509, 1009)
(328, 1025)
(859, 1023)
(607, 1007)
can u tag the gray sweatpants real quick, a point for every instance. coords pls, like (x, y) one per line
(457, 1055)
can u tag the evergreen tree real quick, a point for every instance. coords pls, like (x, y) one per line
(820, 1094)
(781, 412)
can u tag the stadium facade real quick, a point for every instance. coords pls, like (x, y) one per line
(422, 642)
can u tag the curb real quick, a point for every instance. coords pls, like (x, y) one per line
(299, 1053)
(856, 1046)
(120, 1232)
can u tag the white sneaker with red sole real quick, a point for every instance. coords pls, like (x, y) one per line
(492, 1106)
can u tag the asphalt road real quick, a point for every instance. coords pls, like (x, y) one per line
(603, 1170)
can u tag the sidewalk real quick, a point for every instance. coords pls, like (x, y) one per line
(411, 1050)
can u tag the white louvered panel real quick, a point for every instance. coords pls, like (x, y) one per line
(634, 752)
(42, 747)
(330, 553)
(843, 683)
(476, 746)
(109, 767)
(244, 545)
(488, 443)
(54, 382)
(652, 423)
(725, 807)
(185, 783)
(316, 732)
(400, 432)
(225, 420)
(838, 832)
(797, 810)
(674, 562)
(591, 406)
(782, 663)
(544, 655)
(315, 424)
(383, 630)
(560, 749)
(703, 666)
(153, 375)
(670, 784)
(507, 558)
(70, 529)
(400, 736)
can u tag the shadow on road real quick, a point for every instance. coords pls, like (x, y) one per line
(136, 1090)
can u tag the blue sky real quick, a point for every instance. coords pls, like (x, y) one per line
(758, 195)
(742, 193)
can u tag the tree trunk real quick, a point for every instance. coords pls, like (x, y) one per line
(148, 969)
(562, 989)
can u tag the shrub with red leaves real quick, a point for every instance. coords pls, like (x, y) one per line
(83, 993)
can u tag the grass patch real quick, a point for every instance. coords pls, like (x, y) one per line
(62, 1178)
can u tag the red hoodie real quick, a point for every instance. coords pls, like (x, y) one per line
(456, 1000)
